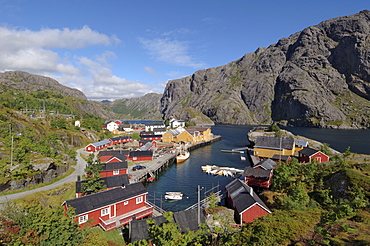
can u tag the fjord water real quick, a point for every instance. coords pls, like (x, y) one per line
(185, 177)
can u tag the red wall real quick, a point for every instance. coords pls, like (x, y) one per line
(253, 213)
(110, 173)
(142, 158)
(258, 182)
(90, 148)
(120, 210)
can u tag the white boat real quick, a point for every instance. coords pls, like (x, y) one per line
(183, 156)
(173, 195)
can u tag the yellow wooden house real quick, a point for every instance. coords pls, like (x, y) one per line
(200, 134)
(190, 135)
(267, 147)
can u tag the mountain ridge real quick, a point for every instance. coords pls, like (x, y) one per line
(318, 77)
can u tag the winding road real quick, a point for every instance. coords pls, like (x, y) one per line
(80, 167)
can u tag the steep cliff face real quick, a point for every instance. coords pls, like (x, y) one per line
(317, 77)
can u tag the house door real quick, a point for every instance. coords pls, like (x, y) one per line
(112, 211)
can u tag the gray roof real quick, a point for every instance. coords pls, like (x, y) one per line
(120, 138)
(257, 173)
(101, 143)
(274, 142)
(188, 219)
(104, 198)
(243, 196)
(266, 164)
(114, 166)
(109, 182)
(308, 151)
(280, 157)
(174, 132)
(140, 153)
(146, 146)
(139, 228)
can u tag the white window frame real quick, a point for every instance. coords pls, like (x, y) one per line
(125, 203)
(115, 172)
(83, 219)
(105, 211)
(134, 158)
(139, 199)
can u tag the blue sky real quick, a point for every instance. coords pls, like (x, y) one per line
(116, 49)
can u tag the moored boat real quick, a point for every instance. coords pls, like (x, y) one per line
(183, 156)
(173, 195)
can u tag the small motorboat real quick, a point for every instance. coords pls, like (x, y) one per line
(183, 156)
(173, 195)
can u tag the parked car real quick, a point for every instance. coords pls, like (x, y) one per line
(138, 167)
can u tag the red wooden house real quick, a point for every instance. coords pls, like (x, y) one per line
(141, 155)
(308, 154)
(97, 146)
(258, 177)
(120, 140)
(246, 204)
(143, 142)
(108, 182)
(113, 168)
(113, 155)
(111, 208)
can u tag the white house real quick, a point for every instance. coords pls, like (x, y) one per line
(149, 127)
(176, 123)
(113, 125)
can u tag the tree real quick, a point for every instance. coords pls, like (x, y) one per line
(93, 182)
(37, 223)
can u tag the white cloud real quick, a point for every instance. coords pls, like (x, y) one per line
(170, 51)
(35, 52)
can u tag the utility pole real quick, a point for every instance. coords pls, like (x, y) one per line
(198, 204)
(11, 152)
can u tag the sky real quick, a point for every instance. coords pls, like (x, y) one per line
(116, 49)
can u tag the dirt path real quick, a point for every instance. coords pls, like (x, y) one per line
(79, 170)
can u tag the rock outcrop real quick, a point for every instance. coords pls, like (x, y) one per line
(318, 77)
(146, 107)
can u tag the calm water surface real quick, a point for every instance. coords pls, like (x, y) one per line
(186, 176)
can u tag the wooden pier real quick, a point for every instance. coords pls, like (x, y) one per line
(158, 165)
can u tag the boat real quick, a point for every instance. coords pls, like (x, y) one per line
(173, 195)
(183, 156)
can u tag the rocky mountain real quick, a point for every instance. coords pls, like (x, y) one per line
(25, 82)
(146, 107)
(317, 77)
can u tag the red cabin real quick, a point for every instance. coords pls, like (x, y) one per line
(308, 154)
(111, 208)
(258, 177)
(141, 155)
(246, 204)
(113, 168)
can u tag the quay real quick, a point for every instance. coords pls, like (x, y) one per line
(159, 164)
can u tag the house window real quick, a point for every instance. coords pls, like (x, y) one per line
(139, 199)
(83, 219)
(134, 158)
(125, 203)
(115, 172)
(104, 211)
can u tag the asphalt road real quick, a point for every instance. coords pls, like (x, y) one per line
(79, 171)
